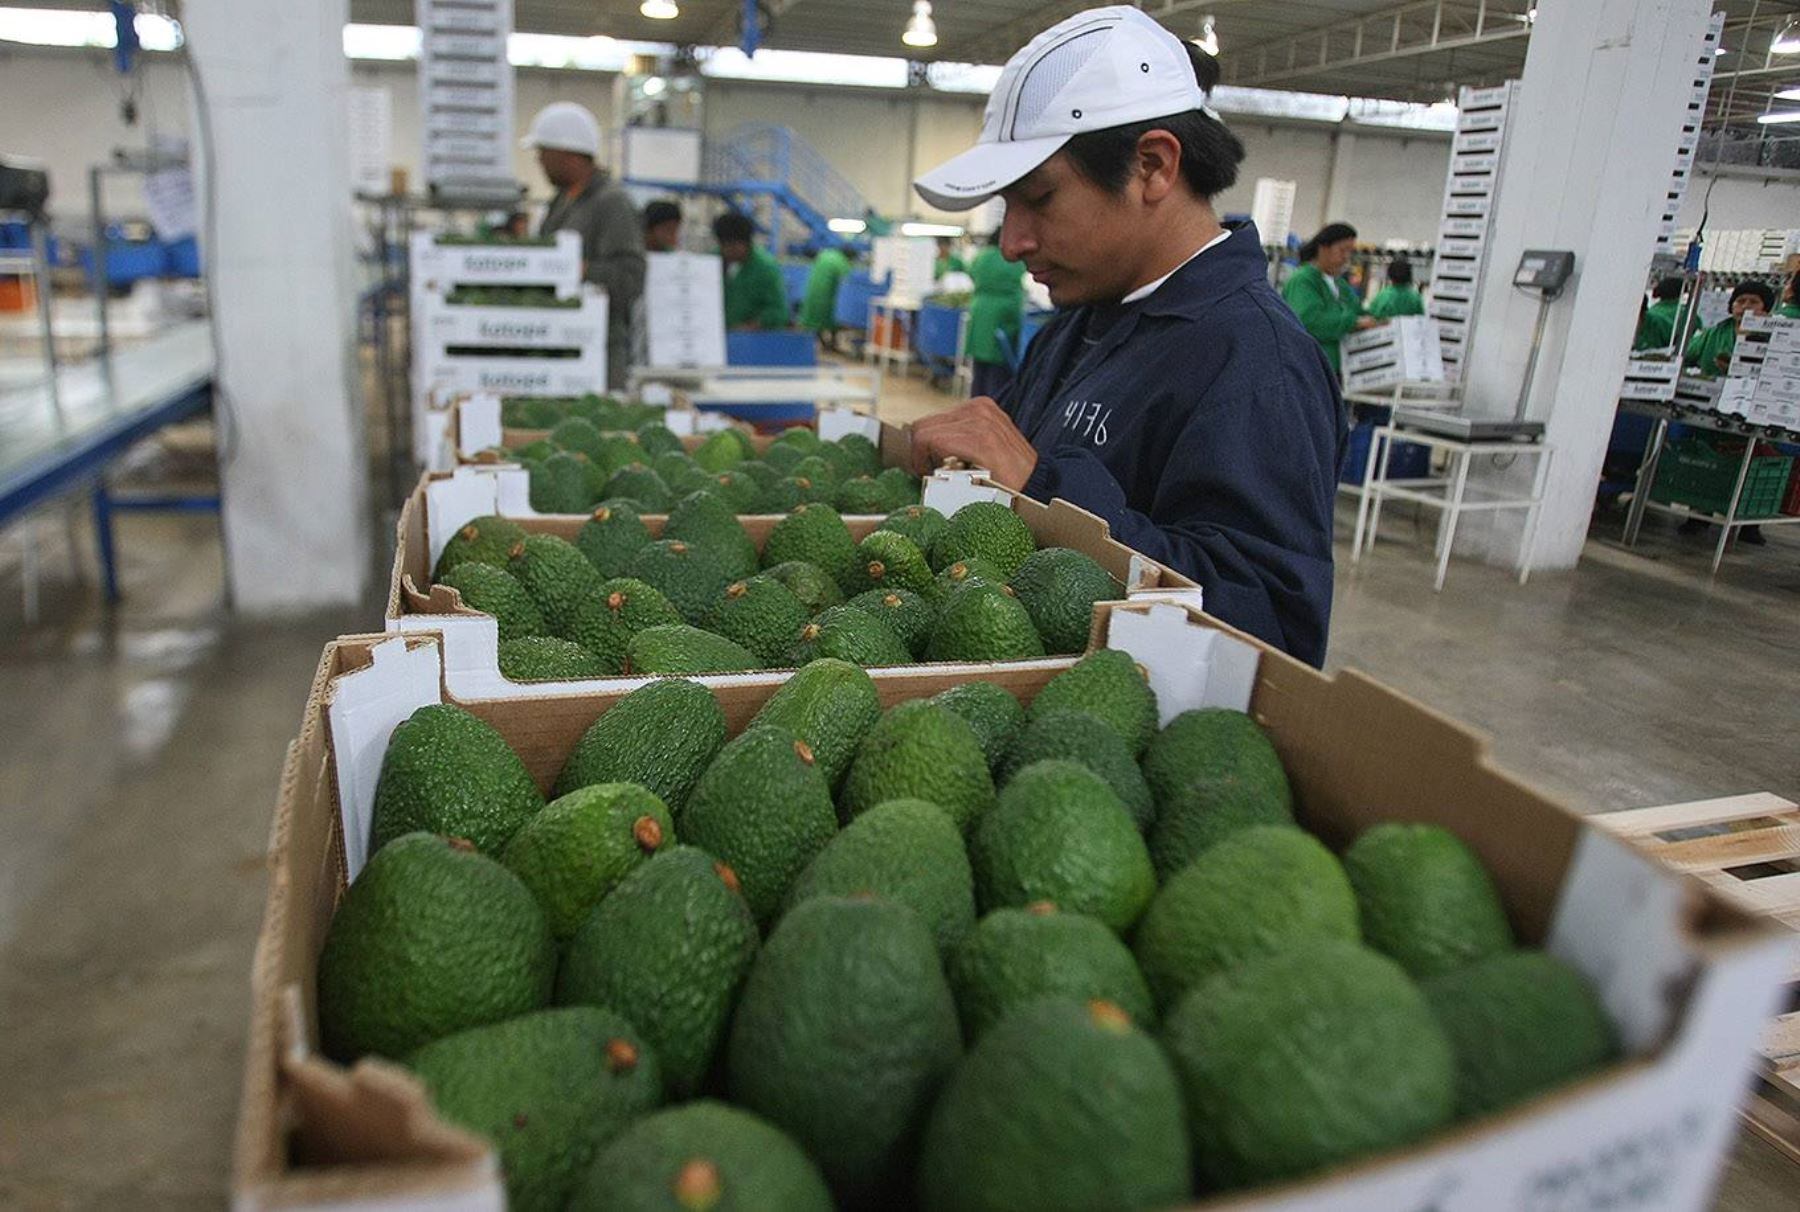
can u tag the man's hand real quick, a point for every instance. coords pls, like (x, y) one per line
(1363, 322)
(979, 434)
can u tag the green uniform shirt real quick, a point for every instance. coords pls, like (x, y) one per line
(1393, 301)
(1327, 315)
(996, 304)
(755, 293)
(952, 264)
(1710, 345)
(818, 306)
(1657, 329)
(1789, 311)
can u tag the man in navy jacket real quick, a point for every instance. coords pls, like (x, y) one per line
(1174, 394)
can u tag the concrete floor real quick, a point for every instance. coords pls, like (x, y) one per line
(139, 755)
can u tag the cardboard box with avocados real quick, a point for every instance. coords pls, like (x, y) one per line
(1688, 980)
(442, 504)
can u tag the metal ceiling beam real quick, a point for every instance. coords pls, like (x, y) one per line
(1404, 32)
(997, 44)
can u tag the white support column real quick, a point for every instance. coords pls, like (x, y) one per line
(1337, 178)
(271, 84)
(1588, 158)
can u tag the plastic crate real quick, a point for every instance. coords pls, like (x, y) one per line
(1700, 471)
(1408, 461)
(937, 330)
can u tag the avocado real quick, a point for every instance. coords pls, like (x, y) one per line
(1426, 901)
(722, 449)
(579, 434)
(764, 807)
(546, 1089)
(655, 438)
(557, 576)
(784, 496)
(1518, 1023)
(829, 704)
(921, 751)
(844, 1034)
(1058, 588)
(448, 772)
(676, 648)
(609, 538)
(1207, 810)
(703, 519)
(485, 540)
(677, 467)
(848, 634)
(740, 493)
(691, 577)
(782, 457)
(701, 1155)
(885, 560)
(560, 484)
(1108, 685)
(817, 589)
(544, 658)
(582, 844)
(495, 591)
(815, 534)
(986, 529)
(532, 412)
(1213, 742)
(1083, 739)
(430, 939)
(1064, 1106)
(660, 736)
(993, 713)
(668, 948)
(860, 455)
(920, 523)
(617, 452)
(1059, 834)
(906, 614)
(620, 609)
(1306, 1058)
(900, 488)
(983, 623)
(860, 495)
(798, 438)
(821, 472)
(906, 851)
(761, 615)
(1259, 891)
(966, 574)
(1014, 956)
(640, 484)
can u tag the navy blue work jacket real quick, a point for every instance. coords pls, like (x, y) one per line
(1205, 427)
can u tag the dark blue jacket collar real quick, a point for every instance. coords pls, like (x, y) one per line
(1206, 279)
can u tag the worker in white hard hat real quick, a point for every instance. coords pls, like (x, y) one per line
(1174, 394)
(589, 202)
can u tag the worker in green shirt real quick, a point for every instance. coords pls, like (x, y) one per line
(1710, 350)
(1656, 326)
(1318, 293)
(947, 261)
(995, 307)
(1399, 297)
(1790, 303)
(755, 295)
(818, 306)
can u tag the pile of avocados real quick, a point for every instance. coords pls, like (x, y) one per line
(703, 599)
(964, 952)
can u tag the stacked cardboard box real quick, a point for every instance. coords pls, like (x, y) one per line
(1470, 191)
(1407, 349)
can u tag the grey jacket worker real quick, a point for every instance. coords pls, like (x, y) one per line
(612, 254)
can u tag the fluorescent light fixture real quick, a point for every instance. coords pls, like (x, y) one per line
(1788, 94)
(660, 10)
(805, 67)
(655, 86)
(1792, 115)
(847, 227)
(920, 30)
(1208, 40)
(392, 43)
(1787, 41)
(930, 229)
(63, 27)
(948, 77)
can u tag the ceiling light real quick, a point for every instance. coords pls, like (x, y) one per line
(847, 227)
(930, 229)
(1208, 40)
(660, 10)
(921, 30)
(1788, 94)
(1787, 41)
(1792, 115)
(654, 86)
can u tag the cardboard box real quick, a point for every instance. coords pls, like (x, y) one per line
(1689, 979)
(445, 324)
(1650, 379)
(1404, 350)
(443, 503)
(475, 427)
(439, 267)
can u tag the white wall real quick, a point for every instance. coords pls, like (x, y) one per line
(1741, 202)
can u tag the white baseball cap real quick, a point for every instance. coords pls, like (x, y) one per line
(1101, 68)
(565, 126)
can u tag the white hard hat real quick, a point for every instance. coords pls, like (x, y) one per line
(566, 126)
(1101, 68)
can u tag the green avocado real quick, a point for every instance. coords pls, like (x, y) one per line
(921, 751)
(848, 634)
(1211, 743)
(1426, 900)
(1083, 739)
(1108, 685)
(493, 590)
(485, 540)
(986, 529)
(660, 736)
(1014, 956)
(906, 614)
(582, 844)
(1207, 810)
(920, 523)
(860, 494)
(983, 623)
(701, 1155)
(1058, 588)
(816, 588)
(557, 576)
(544, 658)
(655, 438)
(609, 538)
(691, 577)
(814, 534)
(676, 648)
(640, 484)
(761, 614)
(886, 560)
(703, 519)
(620, 609)
(560, 484)
(993, 713)
(446, 771)
(829, 704)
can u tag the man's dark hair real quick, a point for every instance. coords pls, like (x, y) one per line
(733, 228)
(1331, 233)
(1667, 288)
(1761, 290)
(661, 211)
(1399, 272)
(1210, 154)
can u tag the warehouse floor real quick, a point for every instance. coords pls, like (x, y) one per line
(139, 754)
